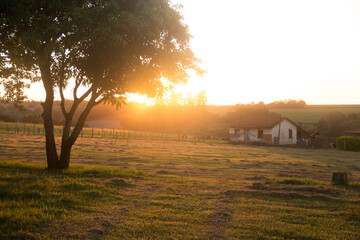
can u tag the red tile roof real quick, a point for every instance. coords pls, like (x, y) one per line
(257, 122)
(319, 136)
(353, 131)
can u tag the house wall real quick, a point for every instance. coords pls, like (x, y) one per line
(238, 135)
(285, 126)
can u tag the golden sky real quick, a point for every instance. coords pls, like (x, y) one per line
(266, 50)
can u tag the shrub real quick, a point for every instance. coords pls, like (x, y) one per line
(6, 118)
(348, 143)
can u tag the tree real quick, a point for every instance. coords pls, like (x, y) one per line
(334, 124)
(111, 47)
(201, 98)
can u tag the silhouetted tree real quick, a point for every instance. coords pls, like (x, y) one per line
(112, 47)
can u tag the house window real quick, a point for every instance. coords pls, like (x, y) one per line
(290, 133)
(260, 133)
(237, 133)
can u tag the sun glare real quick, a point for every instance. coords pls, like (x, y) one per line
(269, 50)
(143, 99)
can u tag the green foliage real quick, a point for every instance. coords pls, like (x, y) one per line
(348, 143)
(334, 124)
(14, 91)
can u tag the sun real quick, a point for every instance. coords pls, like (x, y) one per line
(138, 98)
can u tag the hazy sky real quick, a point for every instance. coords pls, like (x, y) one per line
(266, 50)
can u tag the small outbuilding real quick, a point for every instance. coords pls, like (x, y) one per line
(317, 140)
(270, 130)
(353, 132)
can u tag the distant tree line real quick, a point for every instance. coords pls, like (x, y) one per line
(288, 103)
(334, 124)
(192, 117)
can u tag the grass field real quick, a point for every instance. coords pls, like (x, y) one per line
(311, 114)
(142, 189)
(87, 132)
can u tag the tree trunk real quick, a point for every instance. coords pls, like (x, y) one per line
(51, 153)
(68, 139)
(65, 143)
(65, 154)
(340, 178)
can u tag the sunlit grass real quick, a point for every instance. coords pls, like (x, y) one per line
(135, 189)
(297, 181)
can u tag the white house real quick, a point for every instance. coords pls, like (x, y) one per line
(272, 130)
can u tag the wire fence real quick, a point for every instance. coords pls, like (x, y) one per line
(114, 133)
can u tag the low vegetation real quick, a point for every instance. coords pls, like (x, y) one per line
(137, 189)
(348, 143)
(193, 117)
(298, 181)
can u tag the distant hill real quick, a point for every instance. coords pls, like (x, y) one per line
(311, 114)
(188, 119)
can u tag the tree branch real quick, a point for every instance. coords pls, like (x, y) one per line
(77, 101)
(87, 93)
(62, 103)
(100, 101)
(81, 121)
(61, 84)
(78, 81)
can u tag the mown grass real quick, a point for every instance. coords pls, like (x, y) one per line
(297, 181)
(134, 189)
(32, 197)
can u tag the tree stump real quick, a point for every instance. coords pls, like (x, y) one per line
(340, 178)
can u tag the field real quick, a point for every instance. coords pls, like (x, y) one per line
(311, 114)
(144, 189)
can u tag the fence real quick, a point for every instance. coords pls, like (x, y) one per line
(38, 129)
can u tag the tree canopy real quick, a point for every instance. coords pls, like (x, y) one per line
(112, 47)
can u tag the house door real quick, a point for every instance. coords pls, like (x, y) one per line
(247, 135)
